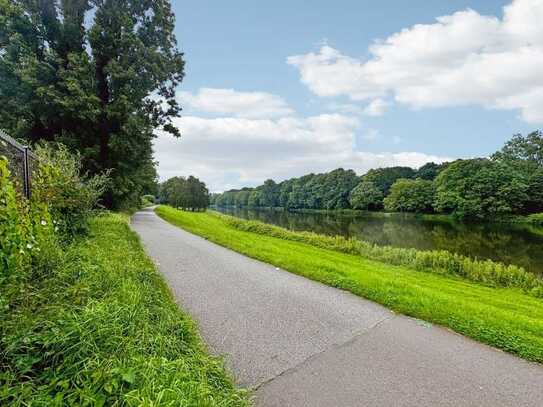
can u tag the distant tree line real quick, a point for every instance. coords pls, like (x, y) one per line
(508, 182)
(185, 193)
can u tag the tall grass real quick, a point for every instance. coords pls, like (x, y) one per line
(436, 261)
(102, 329)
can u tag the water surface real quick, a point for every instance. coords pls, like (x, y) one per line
(511, 244)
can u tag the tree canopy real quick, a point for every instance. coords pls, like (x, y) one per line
(96, 75)
(410, 195)
(186, 193)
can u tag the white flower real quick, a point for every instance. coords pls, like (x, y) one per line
(56, 228)
(43, 223)
(29, 245)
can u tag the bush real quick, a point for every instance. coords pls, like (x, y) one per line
(435, 261)
(71, 195)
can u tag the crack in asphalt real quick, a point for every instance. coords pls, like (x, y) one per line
(334, 346)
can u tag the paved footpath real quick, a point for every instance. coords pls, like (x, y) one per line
(300, 343)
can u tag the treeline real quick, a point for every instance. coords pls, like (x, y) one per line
(185, 193)
(509, 182)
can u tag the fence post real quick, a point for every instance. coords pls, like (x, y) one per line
(26, 173)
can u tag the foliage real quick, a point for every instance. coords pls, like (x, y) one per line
(314, 191)
(407, 195)
(480, 188)
(190, 193)
(535, 219)
(96, 75)
(502, 317)
(366, 196)
(103, 329)
(15, 226)
(147, 200)
(71, 195)
(525, 154)
(383, 178)
(524, 150)
(430, 171)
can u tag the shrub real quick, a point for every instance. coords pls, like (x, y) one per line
(72, 195)
(435, 261)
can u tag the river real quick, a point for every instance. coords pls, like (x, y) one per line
(508, 243)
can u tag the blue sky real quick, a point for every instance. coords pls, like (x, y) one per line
(279, 89)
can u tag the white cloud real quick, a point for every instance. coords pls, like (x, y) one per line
(239, 104)
(234, 152)
(462, 59)
(376, 107)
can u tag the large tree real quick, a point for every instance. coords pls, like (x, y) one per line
(410, 195)
(525, 154)
(96, 75)
(480, 188)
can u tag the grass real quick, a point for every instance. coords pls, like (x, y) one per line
(506, 318)
(103, 329)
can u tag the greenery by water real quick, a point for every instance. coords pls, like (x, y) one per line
(521, 245)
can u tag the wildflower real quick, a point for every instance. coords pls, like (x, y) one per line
(43, 223)
(29, 246)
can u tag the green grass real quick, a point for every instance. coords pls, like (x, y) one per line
(506, 318)
(103, 329)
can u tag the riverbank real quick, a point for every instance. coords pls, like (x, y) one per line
(535, 219)
(506, 318)
(103, 329)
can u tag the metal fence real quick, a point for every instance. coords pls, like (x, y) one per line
(21, 162)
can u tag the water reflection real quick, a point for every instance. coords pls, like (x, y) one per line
(511, 244)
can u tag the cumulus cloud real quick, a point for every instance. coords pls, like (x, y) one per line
(239, 104)
(462, 59)
(232, 152)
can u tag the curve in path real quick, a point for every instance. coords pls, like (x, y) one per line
(297, 342)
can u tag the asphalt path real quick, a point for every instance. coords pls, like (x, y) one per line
(297, 342)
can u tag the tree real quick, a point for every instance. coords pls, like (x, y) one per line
(96, 75)
(269, 194)
(526, 151)
(407, 195)
(525, 154)
(254, 199)
(190, 193)
(430, 171)
(383, 178)
(480, 188)
(367, 196)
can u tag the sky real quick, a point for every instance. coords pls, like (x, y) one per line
(285, 88)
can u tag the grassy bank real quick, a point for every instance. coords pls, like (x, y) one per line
(103, 329)
(506, 318)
